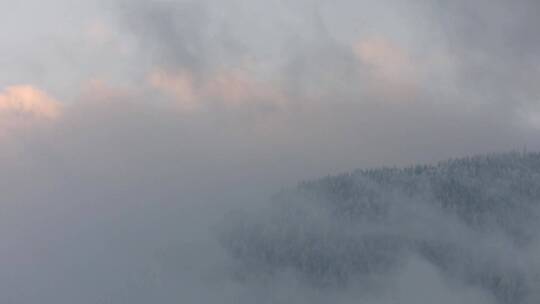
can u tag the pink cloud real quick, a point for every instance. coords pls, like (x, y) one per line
(25, 106)
(102, 35)
(28, 101)
(391, 68)
(100, 90)
(228, 87)
(180, 86)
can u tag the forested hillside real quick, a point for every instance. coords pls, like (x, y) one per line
(474, 221)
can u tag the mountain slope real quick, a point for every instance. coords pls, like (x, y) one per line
(474, 221)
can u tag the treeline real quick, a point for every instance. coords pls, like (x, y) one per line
(475, 219)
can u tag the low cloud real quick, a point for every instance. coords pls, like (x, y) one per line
(110, 191)
(226, 87)
(26, 100)
(26, 107)
(392, 70)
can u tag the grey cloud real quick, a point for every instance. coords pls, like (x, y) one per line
(175, 32)
(119, 199)
(495, 46)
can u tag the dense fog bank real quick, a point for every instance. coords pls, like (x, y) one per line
(149, 151)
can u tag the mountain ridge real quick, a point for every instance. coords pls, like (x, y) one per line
(475, 220)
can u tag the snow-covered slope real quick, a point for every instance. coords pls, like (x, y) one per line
(473, 222)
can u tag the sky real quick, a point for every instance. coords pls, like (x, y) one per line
(119, 119)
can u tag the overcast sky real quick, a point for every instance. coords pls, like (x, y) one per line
(110, 108)
(317, 85)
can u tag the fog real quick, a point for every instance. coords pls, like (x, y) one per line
(135, 136)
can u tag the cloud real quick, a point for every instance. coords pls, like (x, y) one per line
(225, 87)
(99, 32)
(115, 201)
(28, 101)
(494, 50)
(24, 109)
(99, 90)
(180, 86)
(120, 198)
(173, 33)
(391, 69)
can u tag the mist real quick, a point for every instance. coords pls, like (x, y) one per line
(150, 151)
